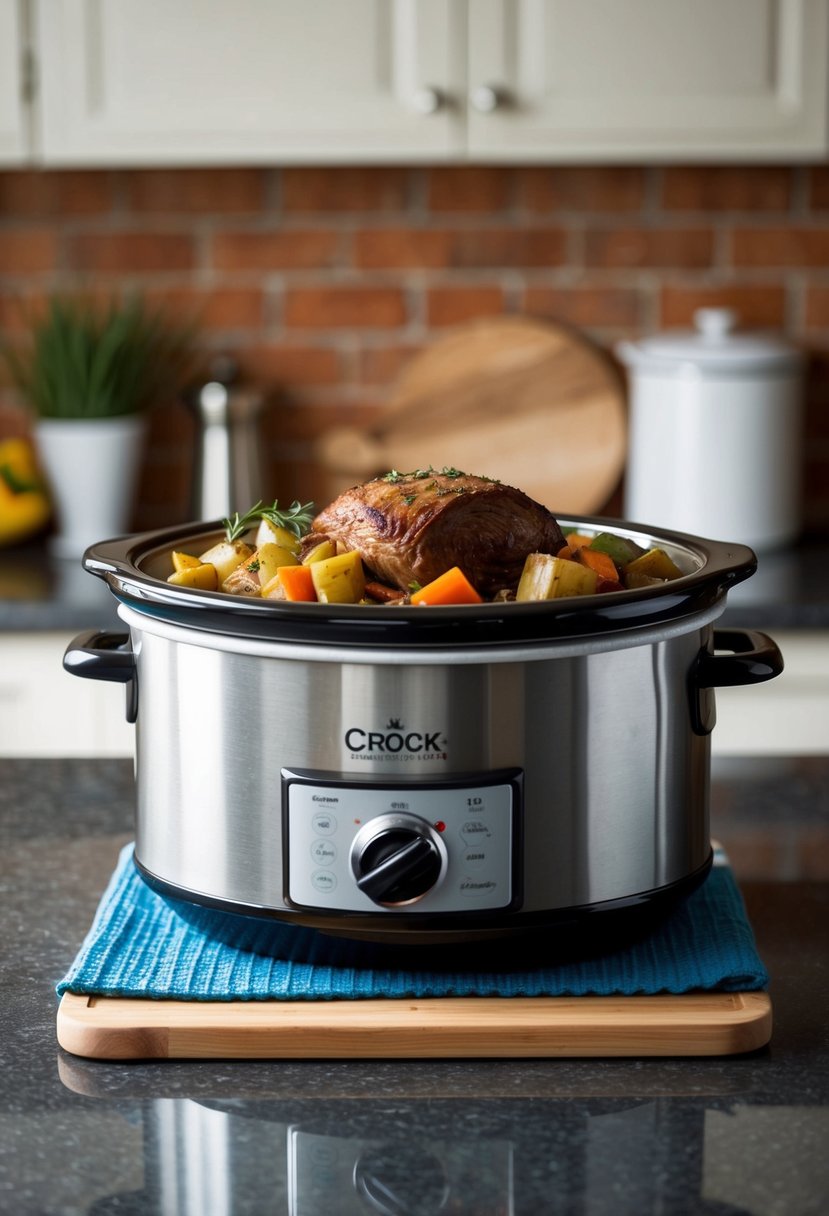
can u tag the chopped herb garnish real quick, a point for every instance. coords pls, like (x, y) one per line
(254, 566)
(449, 471)
(409, 499)
(414, 585)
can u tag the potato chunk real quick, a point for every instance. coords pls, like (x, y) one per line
(320, 552)
(202, 575)
(226, 556)
(655, 564)
(271, 534)
(339, 580)
(270, 557)
(184, 561)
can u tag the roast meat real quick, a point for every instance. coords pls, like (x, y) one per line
(411, 527)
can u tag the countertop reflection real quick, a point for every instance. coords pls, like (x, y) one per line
(738, 1134)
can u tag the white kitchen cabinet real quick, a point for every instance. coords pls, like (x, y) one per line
(622, 80)
(788, 715)
(45, 711)
(273, 81)
(14, 58)
(209, 81)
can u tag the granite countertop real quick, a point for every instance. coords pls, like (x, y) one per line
(790, 590)
(742, 1134)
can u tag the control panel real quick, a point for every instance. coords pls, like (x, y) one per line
(435, 847)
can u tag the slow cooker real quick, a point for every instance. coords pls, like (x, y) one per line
(408, 775)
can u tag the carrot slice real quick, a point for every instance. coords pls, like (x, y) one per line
(452, 587)
(297, 582)
(600, 562)
(566, 553)
(577, 540)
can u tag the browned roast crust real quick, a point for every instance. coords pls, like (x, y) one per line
(411, 527)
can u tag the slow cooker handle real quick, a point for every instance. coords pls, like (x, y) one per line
(753, 657)
(100, 655)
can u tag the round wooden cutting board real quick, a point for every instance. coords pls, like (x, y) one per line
(530, 403)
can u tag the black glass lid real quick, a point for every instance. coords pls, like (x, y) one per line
(136, 568)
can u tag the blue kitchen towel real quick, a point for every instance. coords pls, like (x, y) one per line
(144, 945)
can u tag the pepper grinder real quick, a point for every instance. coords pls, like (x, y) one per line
(228, 475)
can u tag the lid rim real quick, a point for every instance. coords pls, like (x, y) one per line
(721, 565)
(778, 368)
(726, 351)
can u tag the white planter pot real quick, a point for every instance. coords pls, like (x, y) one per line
(92, 469)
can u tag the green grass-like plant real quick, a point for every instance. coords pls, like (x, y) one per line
(87, 360)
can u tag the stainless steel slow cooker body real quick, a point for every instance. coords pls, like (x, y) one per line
(423, 774)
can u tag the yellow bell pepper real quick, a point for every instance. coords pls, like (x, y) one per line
(24, 505)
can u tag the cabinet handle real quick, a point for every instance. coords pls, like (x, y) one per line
(487, 98)
(427, 101)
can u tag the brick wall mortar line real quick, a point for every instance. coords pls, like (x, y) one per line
(654, 189)
(417, 325)
(204, 272)
(799, 202)
(723, 252)
(795, 306)
(651, 303)
(415, 192)
(120, 192)
(272, 193)
(273, 309)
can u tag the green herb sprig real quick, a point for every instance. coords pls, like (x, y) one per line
(296, 518)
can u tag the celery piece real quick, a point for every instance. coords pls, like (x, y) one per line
(545, 577)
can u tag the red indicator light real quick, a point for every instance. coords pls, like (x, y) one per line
(440, 826)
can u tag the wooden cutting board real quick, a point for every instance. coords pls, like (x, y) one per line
(530, 403)
(697, 1024)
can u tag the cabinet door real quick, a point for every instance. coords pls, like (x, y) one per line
(12, 126)
(207, 81)
(615, 80)
(786, 716)
(44, 711)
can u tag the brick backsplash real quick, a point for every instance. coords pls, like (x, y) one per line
(323, 282)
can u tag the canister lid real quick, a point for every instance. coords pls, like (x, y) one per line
(714, 347)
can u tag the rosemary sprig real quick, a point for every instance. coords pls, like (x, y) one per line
(296, 518)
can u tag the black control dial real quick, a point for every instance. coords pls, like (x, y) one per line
(397, 859)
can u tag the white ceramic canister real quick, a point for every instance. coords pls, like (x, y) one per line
(716, 432)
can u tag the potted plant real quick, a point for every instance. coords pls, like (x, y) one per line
(89, 375)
